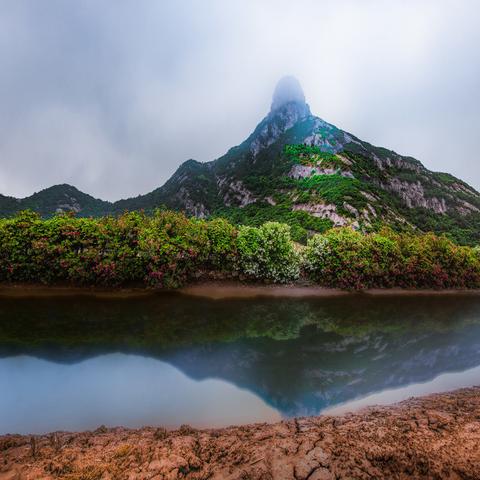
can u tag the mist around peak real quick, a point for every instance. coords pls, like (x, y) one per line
(288, 90)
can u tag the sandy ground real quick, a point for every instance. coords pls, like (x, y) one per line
(434, 437)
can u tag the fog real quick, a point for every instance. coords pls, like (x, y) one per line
(288, 89)
(113, 96)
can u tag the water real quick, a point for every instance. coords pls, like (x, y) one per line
(78, 362)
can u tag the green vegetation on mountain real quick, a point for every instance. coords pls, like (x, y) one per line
(56, 199)
(259, 213)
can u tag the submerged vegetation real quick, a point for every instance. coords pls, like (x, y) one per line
(168, 249)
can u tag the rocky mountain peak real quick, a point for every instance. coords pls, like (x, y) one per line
(289, 92)
(288, 108)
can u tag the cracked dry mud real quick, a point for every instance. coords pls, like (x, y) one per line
(431, 437)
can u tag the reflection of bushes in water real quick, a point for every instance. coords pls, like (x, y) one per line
(168, 321)
(401, 314)
(160, 322)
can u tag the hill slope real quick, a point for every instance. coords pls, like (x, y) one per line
(297, 168)
(56, 199)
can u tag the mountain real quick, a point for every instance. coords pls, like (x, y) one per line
(297, 168)
(56, 199)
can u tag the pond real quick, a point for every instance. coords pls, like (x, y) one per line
(75, 363)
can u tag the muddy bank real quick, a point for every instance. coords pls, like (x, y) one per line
(209, 289)
(213, 290)
(224, 290)
(433, 437)
(45, 291)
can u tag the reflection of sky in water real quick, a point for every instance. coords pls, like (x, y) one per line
(130, 390)
(117, 389)
(442, 383)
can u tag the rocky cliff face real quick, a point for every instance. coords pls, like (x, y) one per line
(297, 168)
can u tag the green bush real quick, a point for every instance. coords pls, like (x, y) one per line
(267, 253)
(348, 259)
(338, 258)
(174, 248)
(167, 249)
(223, 247)
(160, 250)
(256, 214)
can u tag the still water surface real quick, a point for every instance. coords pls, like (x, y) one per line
(168, 359)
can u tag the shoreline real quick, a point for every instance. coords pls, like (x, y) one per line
(224, 290)
(215, 290)
(435, 436)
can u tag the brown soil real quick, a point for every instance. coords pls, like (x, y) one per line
(34, 291)
(435, 437)
(224, 289)
(214, 290)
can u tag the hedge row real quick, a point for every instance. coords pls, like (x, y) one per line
(168, 249)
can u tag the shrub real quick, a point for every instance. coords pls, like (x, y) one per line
(348, 259)
(267, 253)
(174, 247)
(336, 258)
(168, 249)
(222, 238)
(437, 262)
(160, 250)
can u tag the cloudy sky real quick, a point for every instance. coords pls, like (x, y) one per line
(112, 96)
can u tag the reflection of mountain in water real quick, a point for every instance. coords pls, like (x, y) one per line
(300, 355)
(304, 375)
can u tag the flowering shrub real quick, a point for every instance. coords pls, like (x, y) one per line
(173, 247)
(348, 259)
(165, 249)
(168, 249)
(267, 253)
